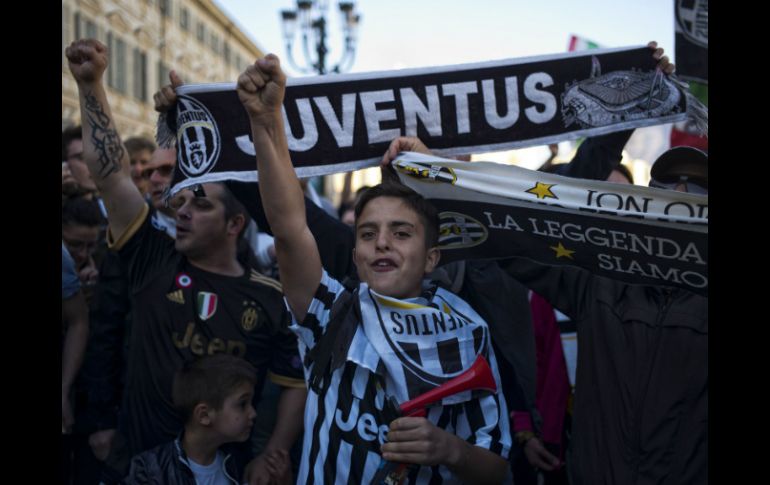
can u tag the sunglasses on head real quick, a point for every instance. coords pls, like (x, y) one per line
(692, 186)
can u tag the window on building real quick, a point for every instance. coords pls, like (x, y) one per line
(116, 68)
(184, 19)
(111, 66)
(238, 61)
(65, 33)
(90, 29)
(77, 26)
(163, 71)
(140, 75)
(215, 43)
(119, 59)
(165, 7)
(201, 32)
(65, 27)
(226, 52)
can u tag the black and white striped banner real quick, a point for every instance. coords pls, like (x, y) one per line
(635, 234)
(338, 123)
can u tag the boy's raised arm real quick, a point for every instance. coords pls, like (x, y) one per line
(261, 89)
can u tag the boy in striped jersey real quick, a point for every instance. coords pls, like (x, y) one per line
(399, 340)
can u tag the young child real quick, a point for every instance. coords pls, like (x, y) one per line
(214, 394)
(399, 340)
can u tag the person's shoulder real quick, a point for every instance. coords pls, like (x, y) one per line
(67, 262)
(168, 448)
(264, 282)
(327, 298)
(155, 465)
(131, 234)
(330, 289)
(164, 457)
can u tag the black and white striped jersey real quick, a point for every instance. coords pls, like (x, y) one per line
(345, 424)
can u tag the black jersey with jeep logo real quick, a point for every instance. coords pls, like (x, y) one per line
(181, 312)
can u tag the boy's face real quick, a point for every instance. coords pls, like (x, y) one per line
(390, 248)
(236, 417)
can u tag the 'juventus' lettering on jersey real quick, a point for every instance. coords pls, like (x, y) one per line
(345, 424)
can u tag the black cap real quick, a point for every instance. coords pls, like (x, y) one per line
(681, 161)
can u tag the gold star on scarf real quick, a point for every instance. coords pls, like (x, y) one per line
(562, 251)
(542, 190)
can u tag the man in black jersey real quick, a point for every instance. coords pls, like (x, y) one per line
(190, 296)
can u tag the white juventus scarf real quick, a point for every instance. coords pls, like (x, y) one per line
(338, 123)
(627, 232)
(423, 346)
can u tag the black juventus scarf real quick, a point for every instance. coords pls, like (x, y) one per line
(338, 123)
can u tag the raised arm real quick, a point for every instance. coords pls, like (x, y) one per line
(103, 150)
(261, 89)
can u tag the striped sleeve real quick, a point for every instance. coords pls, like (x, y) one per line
(312, 328)
(484, 422)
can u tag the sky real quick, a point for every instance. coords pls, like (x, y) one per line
(397, 34)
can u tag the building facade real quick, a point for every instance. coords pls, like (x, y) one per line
(147, 39)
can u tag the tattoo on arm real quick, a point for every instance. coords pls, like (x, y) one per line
(106, 140)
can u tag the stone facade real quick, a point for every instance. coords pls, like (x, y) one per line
(146, 39)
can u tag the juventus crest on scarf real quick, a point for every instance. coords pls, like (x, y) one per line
(338, 123)
(423, 346)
